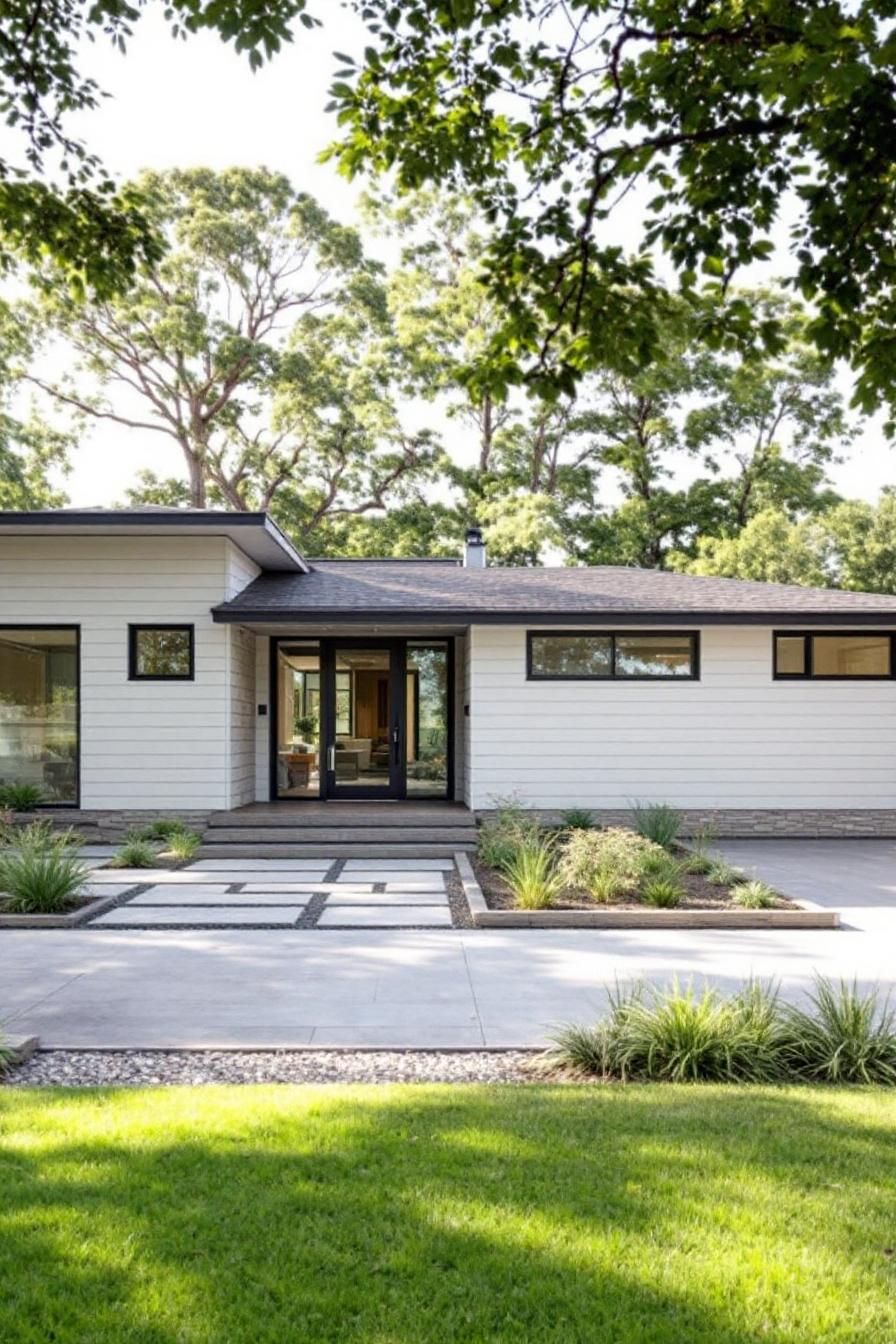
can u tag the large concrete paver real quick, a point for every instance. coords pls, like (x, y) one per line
(352, 896)
(384, 916)
(130, 915)
(183, 898)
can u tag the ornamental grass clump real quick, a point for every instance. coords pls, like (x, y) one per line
(183, 845)
(43, 875)
(608, 864)
(844, 1036)
(754, 895)
(20, 797)
(135, 853)
(722, 874)
(657, 822)
(577, 819)
(503, 835)
(679, 1035)
(532, 875)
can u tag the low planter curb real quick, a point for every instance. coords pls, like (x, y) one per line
(71, 920)
(806, 916)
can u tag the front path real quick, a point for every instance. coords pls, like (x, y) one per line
(460, 988)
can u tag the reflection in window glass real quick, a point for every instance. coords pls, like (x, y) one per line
(790, 655)
(163, 653)
(571, 656)
(298, 720)
(427, 719)
(39, 711)
(851, 655)
(654, 656)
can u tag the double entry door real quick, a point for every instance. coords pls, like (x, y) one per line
(362, 718)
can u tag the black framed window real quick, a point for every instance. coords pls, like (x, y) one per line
(40, 710)
(609, 655)
(812, 655)
(161, 653)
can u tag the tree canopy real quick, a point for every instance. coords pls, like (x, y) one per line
(56, 199)
(724, 120)
(256, 344)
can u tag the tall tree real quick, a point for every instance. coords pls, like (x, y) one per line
(550, 112)
(751, 433)
(30, 447)
(255, 344)
(56, 199)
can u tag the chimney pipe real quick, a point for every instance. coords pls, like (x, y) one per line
(474, 549)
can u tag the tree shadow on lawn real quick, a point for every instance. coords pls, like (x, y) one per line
(631, 1215)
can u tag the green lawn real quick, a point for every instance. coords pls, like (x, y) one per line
(296, 1215)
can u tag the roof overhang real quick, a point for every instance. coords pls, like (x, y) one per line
(257, 535)
(233, 614)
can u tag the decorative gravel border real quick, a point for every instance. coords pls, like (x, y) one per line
(807, 915)
(192, 1068)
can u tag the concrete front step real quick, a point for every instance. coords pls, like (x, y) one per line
(324, 835)
(337, 815)
(390, 849)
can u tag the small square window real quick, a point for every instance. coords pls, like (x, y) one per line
(790, 655)
(161, 653)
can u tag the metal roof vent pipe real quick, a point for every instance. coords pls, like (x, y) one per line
(474, 549)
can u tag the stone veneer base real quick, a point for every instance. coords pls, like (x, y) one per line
(728, 823)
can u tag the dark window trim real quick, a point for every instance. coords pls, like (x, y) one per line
(613, 635)
(134, 675)
(810, 675)
(56, 625)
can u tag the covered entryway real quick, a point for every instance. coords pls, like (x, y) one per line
(362, 718)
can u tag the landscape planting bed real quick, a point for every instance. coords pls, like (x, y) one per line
(705, 907)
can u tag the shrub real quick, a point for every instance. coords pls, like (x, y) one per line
(657, 822)
(662, 892)
(845, 1037)
(605, 863)
(698, 863)
(532, 875)
(135, 853)
(678, 1035)
(754, 895)
(20, 797)
(722, 874)
(41, 880)
(577, 819)
(183, 845)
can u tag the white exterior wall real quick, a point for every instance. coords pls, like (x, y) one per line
(240, 571)
(734, 739)
(144, 744)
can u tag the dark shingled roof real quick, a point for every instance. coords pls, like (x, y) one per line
(412, 590)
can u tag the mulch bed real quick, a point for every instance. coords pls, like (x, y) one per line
(700, 895)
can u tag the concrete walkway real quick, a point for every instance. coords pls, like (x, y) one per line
(107, 988)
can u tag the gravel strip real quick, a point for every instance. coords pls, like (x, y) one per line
(457, 901)
(152, 1068)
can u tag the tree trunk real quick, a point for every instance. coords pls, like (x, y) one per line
(197, 479)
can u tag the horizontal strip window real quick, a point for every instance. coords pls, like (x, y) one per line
(609, 655)
(161, 653)
(802, 655)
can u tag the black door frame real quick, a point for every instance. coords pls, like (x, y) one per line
(397, 788)
(397, 720)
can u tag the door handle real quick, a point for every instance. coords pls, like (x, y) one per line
(331, 759)
(395, 745)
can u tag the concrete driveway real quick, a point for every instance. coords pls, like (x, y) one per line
(426, 988)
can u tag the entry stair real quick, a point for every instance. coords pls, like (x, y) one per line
(295, 830)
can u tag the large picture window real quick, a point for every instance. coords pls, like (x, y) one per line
(630, 655)
(803, 655)
(161, 653)
(39, 710)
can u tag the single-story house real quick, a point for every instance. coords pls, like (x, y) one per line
(194, 660)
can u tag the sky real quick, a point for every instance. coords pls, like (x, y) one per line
(196, 102)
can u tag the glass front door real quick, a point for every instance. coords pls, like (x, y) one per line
(366, 720)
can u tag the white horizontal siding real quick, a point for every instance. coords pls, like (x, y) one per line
(145, 744)
(735, 738)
